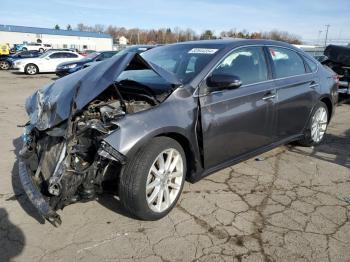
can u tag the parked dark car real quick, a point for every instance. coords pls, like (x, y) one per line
(176, 112)
(6, 62)
(338, 59)
(71, 67)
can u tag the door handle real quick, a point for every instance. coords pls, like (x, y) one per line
(269, 96)
(313, 84)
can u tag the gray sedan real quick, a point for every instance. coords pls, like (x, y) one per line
(174, 113)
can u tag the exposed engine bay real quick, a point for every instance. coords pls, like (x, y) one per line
(68, 162)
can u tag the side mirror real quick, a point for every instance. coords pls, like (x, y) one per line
(220, 82)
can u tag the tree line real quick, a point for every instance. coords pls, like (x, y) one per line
(168, 35)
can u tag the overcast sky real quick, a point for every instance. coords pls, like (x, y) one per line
(304, 18)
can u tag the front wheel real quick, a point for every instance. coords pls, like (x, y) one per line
(317, 126)
(153, 180)
(31, 69)
(4, 65)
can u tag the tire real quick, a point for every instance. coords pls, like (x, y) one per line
(24, 49)
(316, 129)
(31, 69)
(41, 50)
(143, 203)
(4, 65)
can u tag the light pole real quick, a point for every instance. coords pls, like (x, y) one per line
(325, 40)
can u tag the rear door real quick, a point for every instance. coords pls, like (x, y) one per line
(54, 61)
(296, 89)
(235, 122)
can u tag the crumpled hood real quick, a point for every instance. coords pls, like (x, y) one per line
(52, 104)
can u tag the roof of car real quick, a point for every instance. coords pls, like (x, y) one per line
(49, 31)
(237, 42)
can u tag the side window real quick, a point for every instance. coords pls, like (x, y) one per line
(56, 55)
(247, 63)
(286, 62)
(25, 54)
(70, 55)
(107, 55)
(311, 64)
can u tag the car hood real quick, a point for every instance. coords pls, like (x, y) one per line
(59, 100)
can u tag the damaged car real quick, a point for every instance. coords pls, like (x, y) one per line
(174, 113)
(338, 59)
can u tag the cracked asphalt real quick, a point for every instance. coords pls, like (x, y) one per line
(291, 205)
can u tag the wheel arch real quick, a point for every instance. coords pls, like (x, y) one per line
(187, 147)
(179, 135)
(37, 67)
(328, 102)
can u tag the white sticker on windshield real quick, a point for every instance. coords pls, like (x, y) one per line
(208, 51)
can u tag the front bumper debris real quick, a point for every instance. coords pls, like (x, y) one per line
(35, 196)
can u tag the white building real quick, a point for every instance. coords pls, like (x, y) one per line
(57, 38)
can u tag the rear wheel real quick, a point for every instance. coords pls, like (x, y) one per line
(41, 50)
(24, 49)
(4, 65)
(31, 69)
(317, 126)
(152, 182)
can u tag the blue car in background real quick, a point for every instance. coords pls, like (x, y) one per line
(71, 67)
(6, 62)
(134, 48)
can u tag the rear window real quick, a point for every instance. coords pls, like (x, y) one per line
(311, 64)
(287, 62)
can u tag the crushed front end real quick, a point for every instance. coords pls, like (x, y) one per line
(65, 158)
(67, 163)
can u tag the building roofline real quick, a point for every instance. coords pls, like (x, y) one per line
(48, 31)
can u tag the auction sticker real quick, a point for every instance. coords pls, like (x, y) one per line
(208, 51)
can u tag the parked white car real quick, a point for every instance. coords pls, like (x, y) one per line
(36, 46)
(45, 63)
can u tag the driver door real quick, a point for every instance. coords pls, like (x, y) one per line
(238, 121)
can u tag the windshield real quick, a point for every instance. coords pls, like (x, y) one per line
(183, 60)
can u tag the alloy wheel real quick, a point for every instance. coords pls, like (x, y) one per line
(319, 124)
(164, 180)
(4, 65)
(31, 69)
